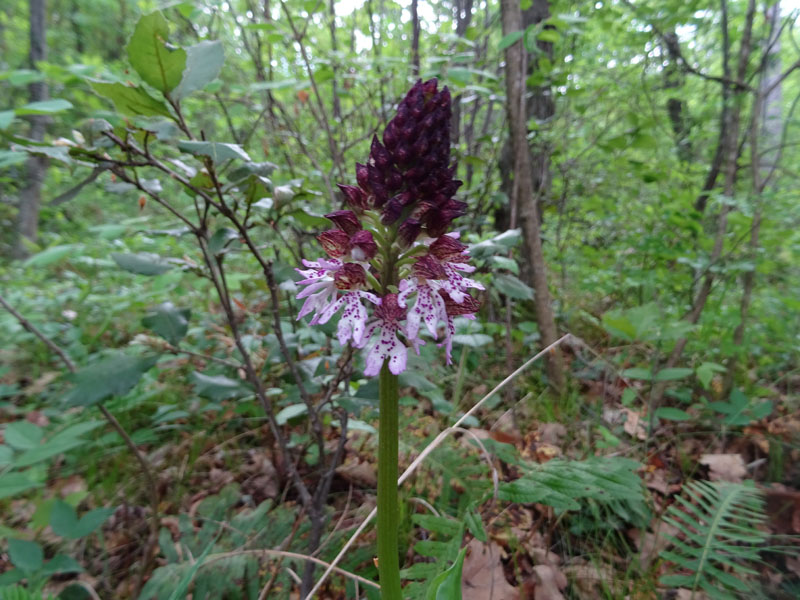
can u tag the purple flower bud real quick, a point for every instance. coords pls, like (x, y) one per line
(355, 196)
(429, 87)
(394, 179)
(392, 210)
(448, 249)
(379, 156)
(390, 137)
(363, 246)
(468, 306)
(362, 176)
(346, 220)
(350, 276)
(428, 267)
(409, 231)
(335, 242)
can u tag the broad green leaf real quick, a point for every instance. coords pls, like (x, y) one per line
(6, 117)
(203, 64)
(168, 321)
(65, 522)
(158, 64)
(45, 107)
(510, 39)
(22, 435)
(52, 255)
(638, 373)
(474, 523)
(512, 287)
(672, 374)
(221, 238)
(509, 264)
(114, 376)
(47, 450)
(447, 585)
(12, 484)
(218, 387)
(672, 414)
(473, 340)
(705, 373)
(290, 412)
(25, 555)
(6, 455)
(131, 100)
(9, 158)
(217, 151)
(61, 563)
(142, 264)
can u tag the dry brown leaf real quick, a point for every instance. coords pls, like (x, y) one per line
(358, 473)
(634, 424)
(588, 580)
(685, 594)
(483, 576)
(724, 467)
(549, 583)
(650, 545)
(552, 433)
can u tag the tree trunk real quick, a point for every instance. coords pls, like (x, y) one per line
(765, 125)
(523, 187)
(676, 107)
(337, 107)
(414, 38)
(30, 197)
(463, 10)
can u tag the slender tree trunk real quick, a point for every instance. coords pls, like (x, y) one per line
(524, 192)
(337, 107)
(414, 38)
(30, 198)
(676, 107)
(463, 10)
(766, 125)
(730, 152)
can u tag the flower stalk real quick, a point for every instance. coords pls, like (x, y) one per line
(388, 511)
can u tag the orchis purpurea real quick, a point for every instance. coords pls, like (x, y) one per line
(391, 249)
(391, 252)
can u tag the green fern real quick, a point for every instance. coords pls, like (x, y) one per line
(442, 549)
(719, 523)
(562, 483)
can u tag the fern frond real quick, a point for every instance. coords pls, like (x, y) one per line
(719, 523)
(561, 483)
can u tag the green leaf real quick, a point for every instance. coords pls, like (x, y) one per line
(131, 100)
(9, 158)
(638, 373)
(217, 151)
(12, 484)
(6, 117)
(168, 321)
(218, 387)
(65, 523)
(473, 340)
(203, 64)
(61, 563)
(512, 287)
(45, 107)
(503, 262)
(290, 412)
(672, 414)
(672, 374)
(52, 255)
(25, 555)
(159, 65)
(510, 39)
(221, 238)
(705, 373)
(142, 264)
(49, 449)
(447, 585)
(22, 435)
(474, 523)
(114, 376)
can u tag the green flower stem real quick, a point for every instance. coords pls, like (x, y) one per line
(388, 513)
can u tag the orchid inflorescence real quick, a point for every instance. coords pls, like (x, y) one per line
(392, 249)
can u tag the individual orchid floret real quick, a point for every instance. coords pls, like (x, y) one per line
(335, 242)
(387, 347)
(363, 246)
(321, 290)
(466, 308)
(346, 220)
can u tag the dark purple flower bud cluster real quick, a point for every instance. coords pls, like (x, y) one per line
(348, 240)
(409, 177)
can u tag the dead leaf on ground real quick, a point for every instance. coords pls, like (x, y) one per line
(550, 582)
(634, 424)
(588, 580)
(651, 544)
(483, 576)
(685, 594)
(552, 433)
(724, 467)
(783, 508)
(359, 473)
